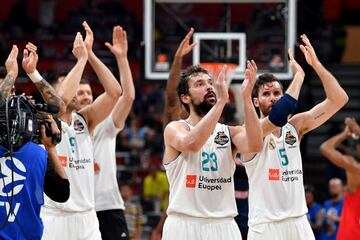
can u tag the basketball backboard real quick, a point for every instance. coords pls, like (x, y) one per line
(229, 31)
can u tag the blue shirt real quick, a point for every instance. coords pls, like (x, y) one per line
(330, 228)
(22, 188)
(311, 215)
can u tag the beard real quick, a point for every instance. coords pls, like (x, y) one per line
(72, 104)
(205, 106)
(264, 110)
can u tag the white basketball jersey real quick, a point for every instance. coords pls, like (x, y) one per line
(276, 190)
(75, 152)
(107, 195)
(201, 183)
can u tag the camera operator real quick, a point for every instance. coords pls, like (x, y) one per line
(27, 170)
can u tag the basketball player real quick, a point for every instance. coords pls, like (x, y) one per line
(76, 219)
(172, 108)
(198, 158)
(349, 227)
(109, 204)
(277, 206)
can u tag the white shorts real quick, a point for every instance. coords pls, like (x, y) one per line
(70, 226)
(179, 226)
(297, 228)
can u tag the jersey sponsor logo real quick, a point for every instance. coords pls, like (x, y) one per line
(212, 184)
(272, 144)
(207, 183)
(289, 138)
(221, 138)
(63, 160)
(12, 178)
(291, 175)
(96, 168)
(78, 126)
(190, 181)
(79, 164)
(274, 174)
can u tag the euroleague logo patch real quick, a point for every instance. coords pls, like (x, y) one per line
(78, 126)
(289, 138)
(221, 138)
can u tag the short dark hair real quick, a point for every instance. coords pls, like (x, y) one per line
(262, 79)
(84, 81)
(53, 78)
(183, 86)
(309, 188)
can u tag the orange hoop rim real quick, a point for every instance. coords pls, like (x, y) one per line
(215, 67)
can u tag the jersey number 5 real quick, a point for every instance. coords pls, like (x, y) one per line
(285, 160)
(209, 162)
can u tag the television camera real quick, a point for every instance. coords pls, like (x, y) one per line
(21, 120)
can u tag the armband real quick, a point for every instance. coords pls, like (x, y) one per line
(280, 111)
(35, 76)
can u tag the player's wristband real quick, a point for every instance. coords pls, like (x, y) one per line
(354, 136)
(35, 76)
(280, 111)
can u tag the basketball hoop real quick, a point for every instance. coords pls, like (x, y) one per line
(214, 69)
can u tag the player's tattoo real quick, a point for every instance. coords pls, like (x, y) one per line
(318, 116)
(49, 94)
(7, 84)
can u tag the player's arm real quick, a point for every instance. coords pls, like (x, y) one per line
(336, 97)
(12, 70)
(29, 63)
(178, 136)
(120, 48)
(248, 138)
(67, 89)
(103, 105)
(353, 126)
(282, 109)
(328, 150)
(172, 103)
(285, 106)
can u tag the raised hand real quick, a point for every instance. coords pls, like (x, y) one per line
(352, 125)
(30, 58)
(185, 47)
(250, 79)
(221, 87)
(89, 38)
(119, 46)
(308, 51)
(11, 62)
(295, 67)
(79, 48)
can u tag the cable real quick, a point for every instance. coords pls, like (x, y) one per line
(10, 146)
(10, 200)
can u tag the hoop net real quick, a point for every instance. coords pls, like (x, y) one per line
(215, 68)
